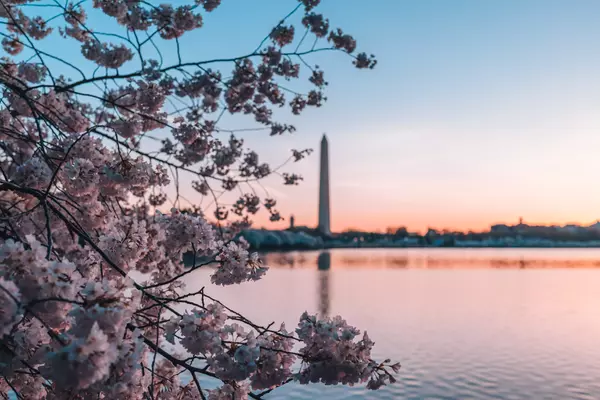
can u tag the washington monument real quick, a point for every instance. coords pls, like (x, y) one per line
(324, 215)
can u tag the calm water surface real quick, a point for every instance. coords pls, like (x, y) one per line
(465, 324)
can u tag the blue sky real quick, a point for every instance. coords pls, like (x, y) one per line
(479, 111)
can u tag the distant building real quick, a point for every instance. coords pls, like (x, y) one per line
(292, 222)
(500, 228)
(572, 228)
(595, 226)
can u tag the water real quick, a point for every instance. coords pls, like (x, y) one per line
(464, 324)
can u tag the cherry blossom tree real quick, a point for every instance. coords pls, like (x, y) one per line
(91, 270)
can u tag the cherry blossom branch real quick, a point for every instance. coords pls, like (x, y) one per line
(78, 191)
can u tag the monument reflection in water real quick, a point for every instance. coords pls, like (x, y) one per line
(324, 265)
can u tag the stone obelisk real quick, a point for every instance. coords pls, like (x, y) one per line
(324, 216)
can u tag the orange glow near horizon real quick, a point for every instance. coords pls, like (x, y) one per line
(419, 207)
(414, 222)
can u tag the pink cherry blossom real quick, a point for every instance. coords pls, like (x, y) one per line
(275, 361)
(200, 330)
(237, 265)
(34, 173)
(12, 45)
(209, 5)
(310, 4)
(238, 391)
(106, 55)
(364, 61)
(283, 35)
(32, 72)
(9, 306)
(342, 41)
(175, 22)
(316, 23)
(93, 298)
(82, 362)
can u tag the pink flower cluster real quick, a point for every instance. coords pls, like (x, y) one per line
(90, 154)
(33, 73)
(34, 173)
(230, 391)
(175, 22)
(105, 55)
(37, 278)
(237, 265)
(209, 5)
(184, 232)
(275, 361)
(81, 363)
(317, 24)
(283, 35)
(333, 356)
(200, 329)
(310, 4)
(10, 298)
(240, 361)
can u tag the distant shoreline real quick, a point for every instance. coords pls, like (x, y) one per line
(305, 249)
(265, 240)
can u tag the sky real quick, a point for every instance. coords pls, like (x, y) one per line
(478, 112)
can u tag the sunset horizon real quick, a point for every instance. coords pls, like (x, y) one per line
(477, 113)
(417, 227)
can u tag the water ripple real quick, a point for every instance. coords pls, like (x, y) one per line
(465, 333)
